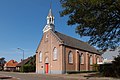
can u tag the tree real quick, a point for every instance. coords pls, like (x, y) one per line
(111, 69)
(30, 66)
(2, 62)
(116, 65)
(98, 19)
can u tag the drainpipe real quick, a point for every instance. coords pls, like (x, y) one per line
(64, 61)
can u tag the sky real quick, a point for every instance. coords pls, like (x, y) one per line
(21, 24)
(109, 55)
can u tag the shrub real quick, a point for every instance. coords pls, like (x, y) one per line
(76, 72)
(95, 67)
(111, 70)
(106, 70)
(116, 65)
(28, 68)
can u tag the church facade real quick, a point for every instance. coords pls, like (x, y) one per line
(58, 53)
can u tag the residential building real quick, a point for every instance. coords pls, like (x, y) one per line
(10, 65)
(23, 62)
(110, 54)
(58, 53)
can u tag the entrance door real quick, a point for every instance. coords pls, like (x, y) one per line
(46, 68)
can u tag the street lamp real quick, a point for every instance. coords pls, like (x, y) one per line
(23, 58)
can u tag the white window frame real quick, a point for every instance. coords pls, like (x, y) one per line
(40, 57)
(55, 53)
(82, 59)
(98, 60)
(91, 60)
(70, 57)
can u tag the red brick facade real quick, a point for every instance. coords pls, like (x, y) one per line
(61, 65)
(52, 39)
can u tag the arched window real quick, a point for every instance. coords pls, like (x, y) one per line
(98, 60)
(40, 57)
(46, 60)
(82, 59)
(55, 55)
(50, 20)
(70, 57)
(91, 61)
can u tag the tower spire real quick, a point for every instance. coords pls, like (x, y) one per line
(50, 21)
(50, 17)
(51, 5)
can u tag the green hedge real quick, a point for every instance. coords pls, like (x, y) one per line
(111, 69)
(28, 68)
(106, 70)
(95, 67)
(76, 72)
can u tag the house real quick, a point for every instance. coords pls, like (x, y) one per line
(23, 62)
(10, 65)
(58, 53)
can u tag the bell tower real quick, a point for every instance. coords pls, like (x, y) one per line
(50, 22)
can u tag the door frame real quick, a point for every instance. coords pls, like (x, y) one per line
(46, 68)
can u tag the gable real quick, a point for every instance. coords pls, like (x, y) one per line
(23, 62)
(11, 63)
(47, 38)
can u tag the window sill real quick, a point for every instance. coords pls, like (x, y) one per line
(40, 62)
(70, 63)
(54, 59)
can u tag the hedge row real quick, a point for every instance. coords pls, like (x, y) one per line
(28, 68)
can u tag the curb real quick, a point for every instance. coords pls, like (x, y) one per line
(5, 77)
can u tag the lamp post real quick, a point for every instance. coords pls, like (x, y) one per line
(23, 58)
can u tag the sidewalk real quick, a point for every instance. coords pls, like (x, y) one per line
(83, 76)
(34, 76)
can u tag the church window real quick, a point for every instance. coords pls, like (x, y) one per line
(46, 38)
(70, 57)
(98, 60)
(91, 60)
(50, 20)
(82, 59)
(40, 57)
(55, 54)
(46, 60)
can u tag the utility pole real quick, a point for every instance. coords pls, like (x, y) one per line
(23, 59)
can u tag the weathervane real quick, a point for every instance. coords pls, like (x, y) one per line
(51, 4)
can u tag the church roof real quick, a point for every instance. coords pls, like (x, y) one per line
(75, 43)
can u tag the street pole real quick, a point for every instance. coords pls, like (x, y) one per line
(23, 59)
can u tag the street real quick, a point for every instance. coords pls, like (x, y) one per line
(32, 76)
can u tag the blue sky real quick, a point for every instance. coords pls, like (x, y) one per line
(21, 24)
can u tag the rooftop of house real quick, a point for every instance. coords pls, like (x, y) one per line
(23, 62)
(11, 63)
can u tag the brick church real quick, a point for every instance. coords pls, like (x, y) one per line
(58, 53)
